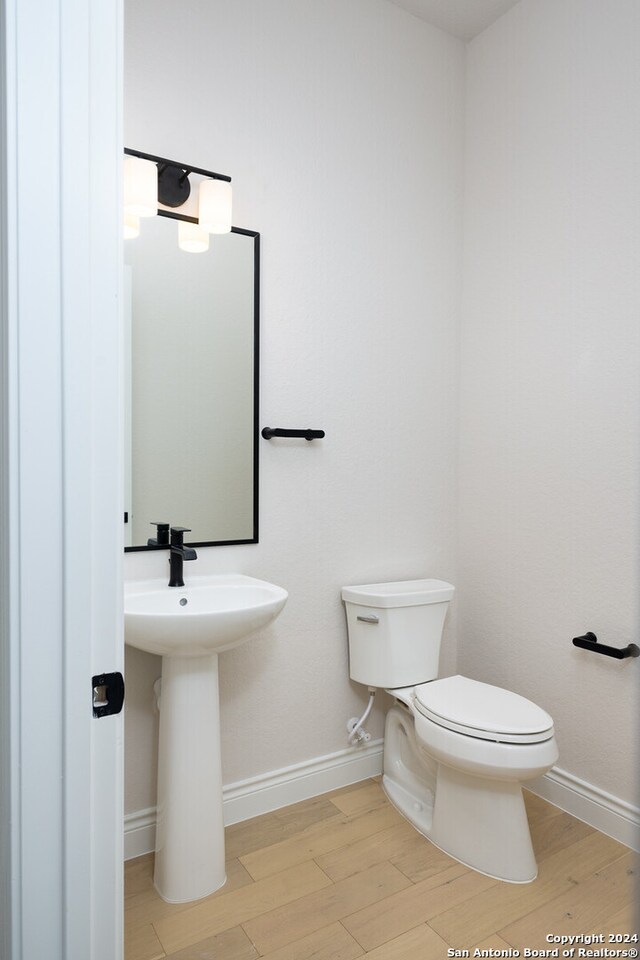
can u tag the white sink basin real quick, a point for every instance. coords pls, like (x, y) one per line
(208, 615)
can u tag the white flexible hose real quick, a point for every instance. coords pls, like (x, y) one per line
(353, 736)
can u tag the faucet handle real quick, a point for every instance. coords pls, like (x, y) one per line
(177, 535)
(177, 543)
(162, 538)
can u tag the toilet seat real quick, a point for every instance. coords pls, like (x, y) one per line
(482, 711)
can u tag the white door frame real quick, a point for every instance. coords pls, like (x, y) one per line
(60, 474)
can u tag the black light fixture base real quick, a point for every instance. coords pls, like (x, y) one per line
(173, 185)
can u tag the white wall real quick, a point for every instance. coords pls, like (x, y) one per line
(550, 351)
(341, 125)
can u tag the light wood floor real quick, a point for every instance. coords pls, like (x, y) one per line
(343, 876)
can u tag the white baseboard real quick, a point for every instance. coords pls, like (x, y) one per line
(609, 814)
(139, 833)
(269, 791)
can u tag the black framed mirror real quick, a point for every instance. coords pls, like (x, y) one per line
(192, 327)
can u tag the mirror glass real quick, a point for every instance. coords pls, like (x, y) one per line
(191, 408)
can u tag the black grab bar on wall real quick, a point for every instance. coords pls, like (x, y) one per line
(590, 642)
(268, 432)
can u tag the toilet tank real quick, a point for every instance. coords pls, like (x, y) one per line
(395, 631)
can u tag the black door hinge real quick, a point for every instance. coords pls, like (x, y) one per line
(108, 694)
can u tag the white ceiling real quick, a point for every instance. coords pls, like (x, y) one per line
(463, 18)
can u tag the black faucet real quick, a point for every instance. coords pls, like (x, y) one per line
(178, 553)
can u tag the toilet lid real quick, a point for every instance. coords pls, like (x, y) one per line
(484, 711)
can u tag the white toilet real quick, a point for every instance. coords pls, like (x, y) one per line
(455, 750)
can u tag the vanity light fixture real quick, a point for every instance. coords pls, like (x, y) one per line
(171, 189)
(192, 238)
(140, 187)
(214, 206)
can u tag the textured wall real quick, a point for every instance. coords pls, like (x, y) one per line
(341, 125)
(550, 351)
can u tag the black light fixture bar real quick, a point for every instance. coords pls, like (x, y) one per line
(175, 163)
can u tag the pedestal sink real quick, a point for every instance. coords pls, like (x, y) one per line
(189, 626)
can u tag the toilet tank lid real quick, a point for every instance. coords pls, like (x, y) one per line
(403, 593)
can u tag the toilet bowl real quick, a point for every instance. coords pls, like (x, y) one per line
(468, 799)
(456, 750)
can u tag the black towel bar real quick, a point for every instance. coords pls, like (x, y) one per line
(268, 432)
(590, 642)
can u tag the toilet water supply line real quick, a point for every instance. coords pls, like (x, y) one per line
(357, 734)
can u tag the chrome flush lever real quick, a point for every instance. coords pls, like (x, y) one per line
(371, 619)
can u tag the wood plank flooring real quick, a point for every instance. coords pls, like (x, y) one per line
(344, 876)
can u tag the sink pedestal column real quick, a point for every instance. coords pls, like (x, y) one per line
(190, 829)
